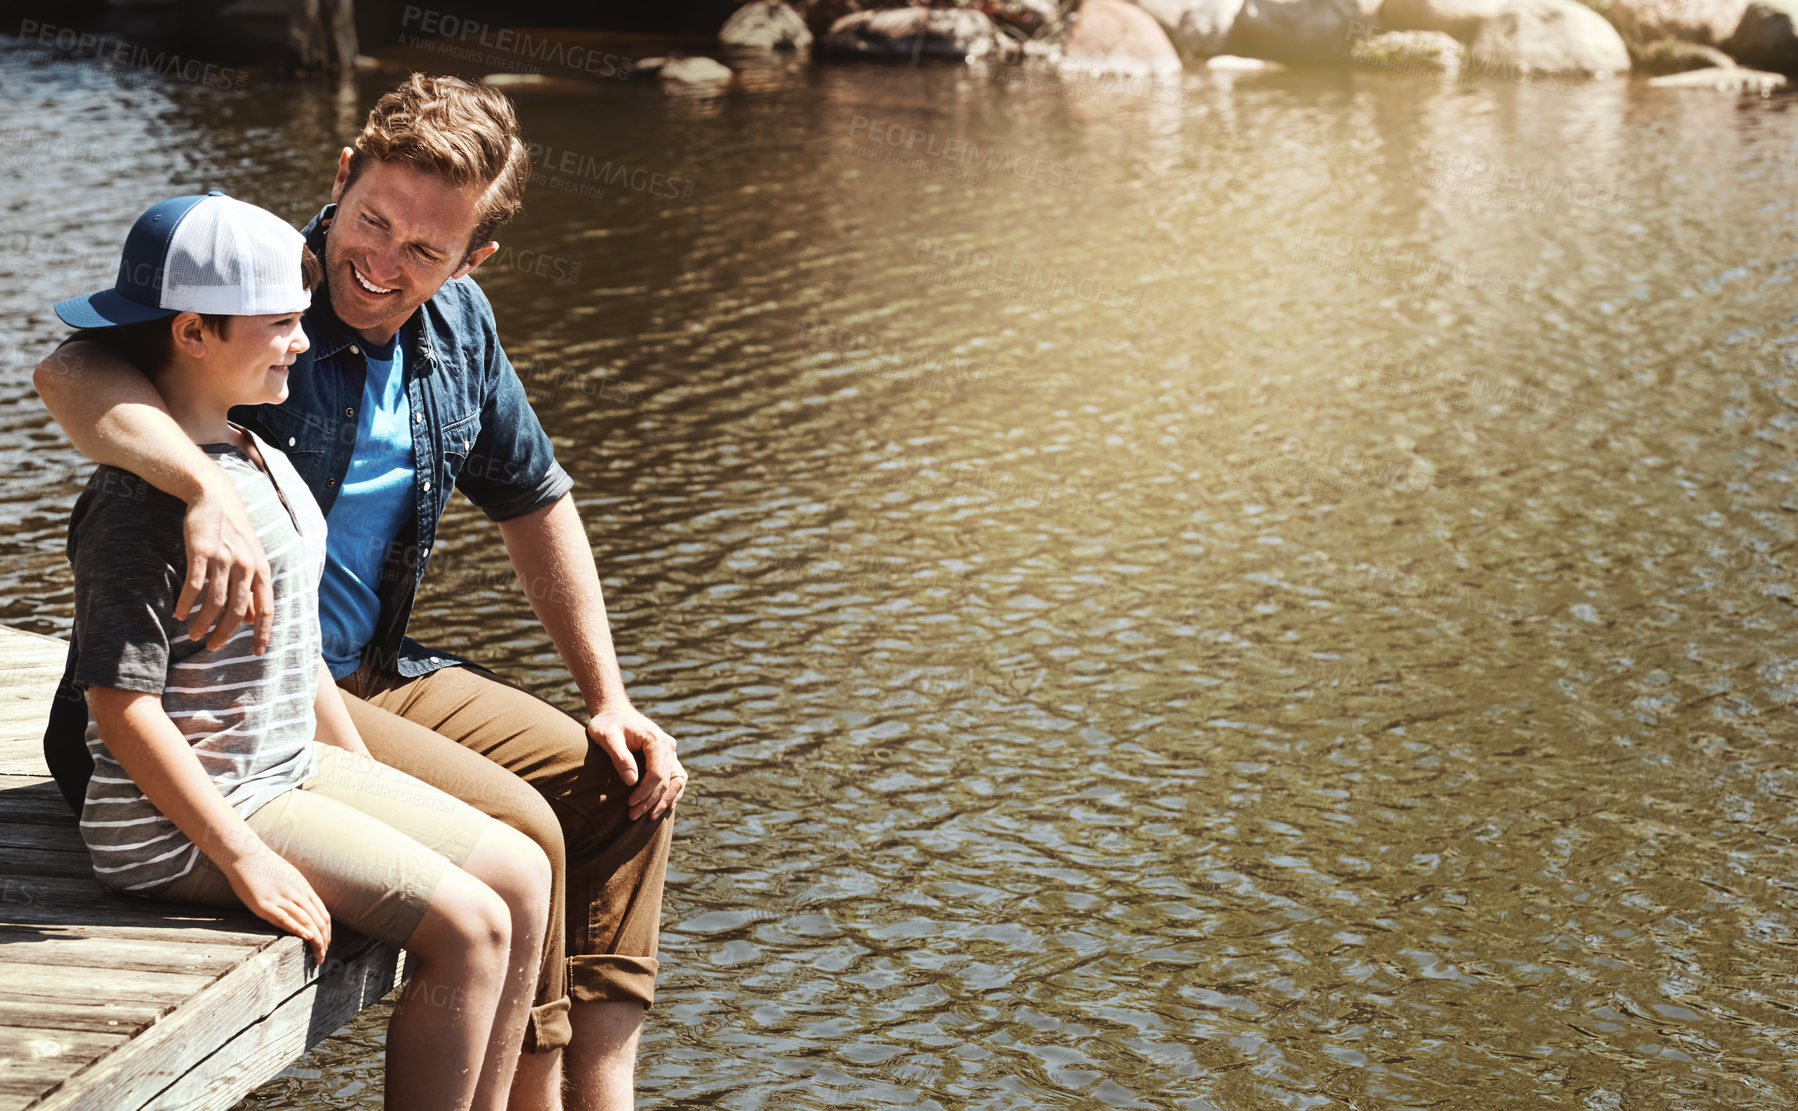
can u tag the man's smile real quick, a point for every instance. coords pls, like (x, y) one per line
(368, 285)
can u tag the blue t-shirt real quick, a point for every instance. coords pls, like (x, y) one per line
(374, 503)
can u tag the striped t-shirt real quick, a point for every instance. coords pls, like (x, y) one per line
(249, 718)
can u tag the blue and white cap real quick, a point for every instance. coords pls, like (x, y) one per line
(210, 254)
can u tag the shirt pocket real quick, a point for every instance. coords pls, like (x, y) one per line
(300, 434)
(458, 440)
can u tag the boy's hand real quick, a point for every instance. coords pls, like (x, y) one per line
(277, 893)
(225, 559)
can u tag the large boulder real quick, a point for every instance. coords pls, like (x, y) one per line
(1765, 37)
(1198, 28)
(908, 34)
(1549, 36)
(1408, 52)
(1111, 36)
(1710, 22)
(1296, 30)
(1460, 18)
(767, 25)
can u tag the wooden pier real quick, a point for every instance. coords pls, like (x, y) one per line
(109, 1003)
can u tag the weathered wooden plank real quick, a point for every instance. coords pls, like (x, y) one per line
(54, 837)
(24, 983)
(128, 954)
(50, 863)
(247, 1061)
(79, 893)
(98, 1016)
(245, 931)
(33, 1059)
(30, 665)
(33, 798)
(358, 971)
(38, 913)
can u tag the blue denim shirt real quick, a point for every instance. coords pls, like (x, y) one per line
(472, 429)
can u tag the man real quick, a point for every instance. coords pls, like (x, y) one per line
(404, 392)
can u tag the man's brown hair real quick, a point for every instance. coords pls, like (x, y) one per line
(461, 132)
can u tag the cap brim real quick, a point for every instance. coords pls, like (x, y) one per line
(107, 309)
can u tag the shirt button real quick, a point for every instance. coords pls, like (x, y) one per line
(417, 418)
(291, 441)
(435, 660)
(354, 350)
(350, 411)
(427, 485)
(330, 482)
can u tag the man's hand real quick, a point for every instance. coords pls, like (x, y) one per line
(621, 732)
(225, 560)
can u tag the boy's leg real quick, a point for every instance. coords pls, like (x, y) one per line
(449, 767)
(615, 868)
(507, 862)
(405, 892)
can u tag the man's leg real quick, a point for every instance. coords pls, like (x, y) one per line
(615, 866)
(448, 766)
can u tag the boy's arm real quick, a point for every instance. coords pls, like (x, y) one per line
(159, 760)
(113, 414)
(334, 724)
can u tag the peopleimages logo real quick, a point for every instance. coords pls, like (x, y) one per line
(638, 179)
(1524, 181)
(1020, 274)
(963, 152)
(81, 44)
(519, 44)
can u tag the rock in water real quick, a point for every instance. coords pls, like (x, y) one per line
(1674, 56)
(1409, 52)
(1033, 17)
(767, 24)
(694, 71)
(1460, 18)
(908, 34)
(1198, 28)
(1236, 63)
(1111, 36)
(1710, 22)
(1550, 36)
(1295, 30)
(1729, 79)
(1765, 36)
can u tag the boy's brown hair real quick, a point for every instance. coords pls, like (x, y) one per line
(461, 132)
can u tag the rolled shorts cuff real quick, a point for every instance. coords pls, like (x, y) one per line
(548, 1029)
(610, 978)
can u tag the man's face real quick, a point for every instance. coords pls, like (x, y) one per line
(399, 234)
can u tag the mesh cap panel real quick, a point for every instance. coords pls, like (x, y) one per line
(236, 259)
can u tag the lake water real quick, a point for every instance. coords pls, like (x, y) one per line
(1279, 595)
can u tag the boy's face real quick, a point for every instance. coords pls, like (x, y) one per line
(399, 234)
(248, 363)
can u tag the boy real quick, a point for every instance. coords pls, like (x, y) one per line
(222, 776)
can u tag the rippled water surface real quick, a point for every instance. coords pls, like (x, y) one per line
(1286, 600)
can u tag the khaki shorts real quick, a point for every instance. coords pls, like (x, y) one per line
(373, 841)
